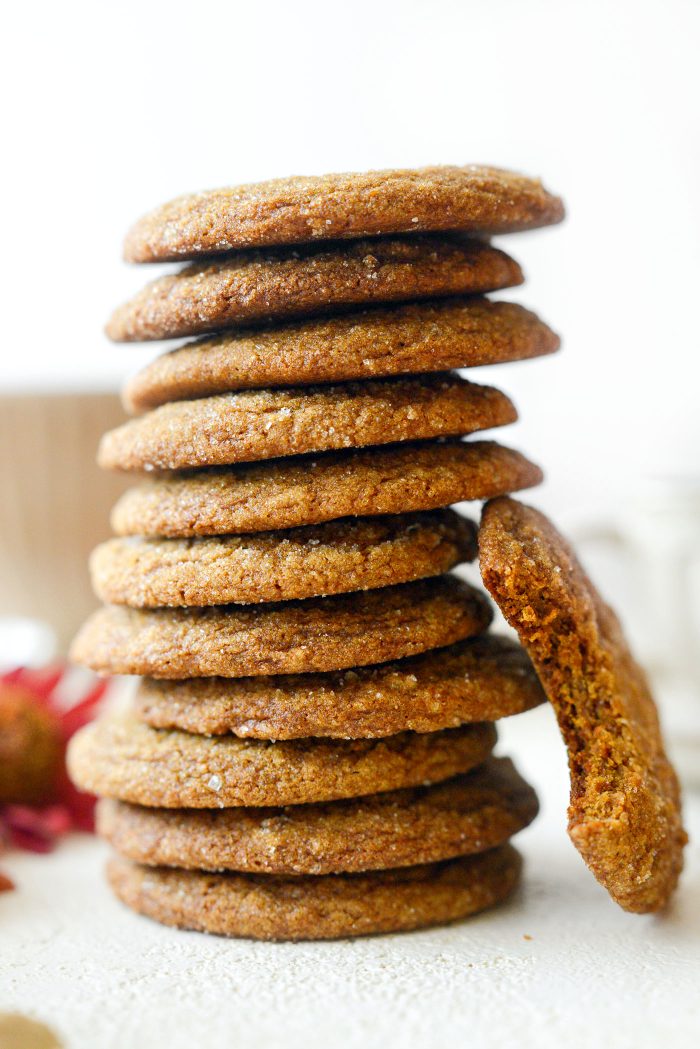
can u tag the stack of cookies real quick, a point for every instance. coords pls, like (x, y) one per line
(309, 751)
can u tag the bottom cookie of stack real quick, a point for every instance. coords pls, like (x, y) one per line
(318, 907)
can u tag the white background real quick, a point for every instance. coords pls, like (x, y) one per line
(113, 108)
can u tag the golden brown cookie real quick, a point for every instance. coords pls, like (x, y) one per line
(312, 489)
(359, 553)
(327, 633)
(481, 679)
(255, 286)
(264, 424)
(318, 907)
(472, 197)
(414, 337)
(118, 757)
(624, 812)
(470, 813)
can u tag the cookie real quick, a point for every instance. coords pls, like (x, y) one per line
(352, 554)
(327, 633)
(318, 907)
(481, 679)
(309, 490)
(118, 757)
(474, 198)
(265, 424)
(414, 337)
(470, 813)
(254, 286)
(624, 812)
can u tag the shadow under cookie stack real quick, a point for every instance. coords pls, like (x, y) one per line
(309, 751)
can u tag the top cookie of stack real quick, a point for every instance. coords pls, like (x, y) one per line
(305, 450)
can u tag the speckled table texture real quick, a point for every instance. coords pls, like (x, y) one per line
(560, 965)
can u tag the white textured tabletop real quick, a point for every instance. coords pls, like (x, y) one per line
(560, 965)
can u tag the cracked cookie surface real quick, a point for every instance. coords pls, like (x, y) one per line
(407, 339)
(318, 907)
(337, 557)
(327, 633)
(254, 286)
(118, 757)
(307, 490)
(475, 198)
(480, 679)
(469, 813)
(253, 425)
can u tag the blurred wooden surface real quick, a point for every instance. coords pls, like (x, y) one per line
(55, 503)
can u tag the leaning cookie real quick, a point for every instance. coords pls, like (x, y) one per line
(401, 340)
(338, 557)
(266, 424)
(470, 813)
(325, 907)
(481, 679)
(473, 197)
(250, 287)
(624, 812)
(118, 757)
(307, 490)
(327, 633)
